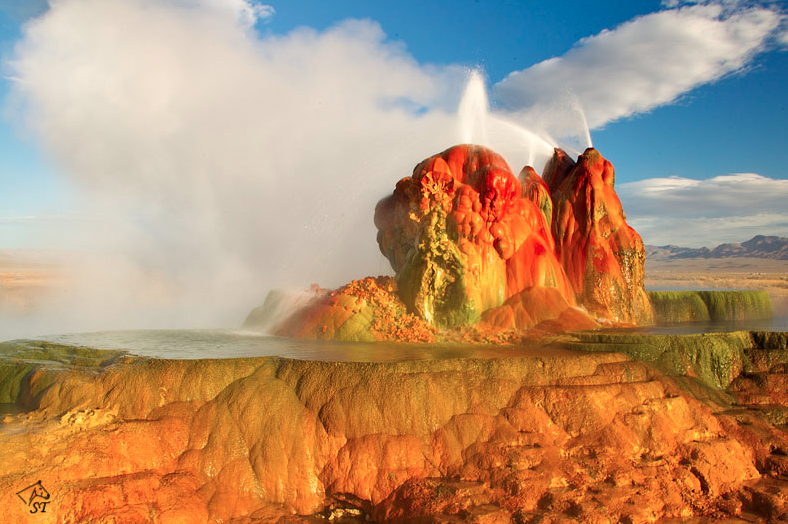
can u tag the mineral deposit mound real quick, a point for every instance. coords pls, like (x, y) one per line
(472, 244)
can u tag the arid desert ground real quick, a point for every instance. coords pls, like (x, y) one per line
(723, 273)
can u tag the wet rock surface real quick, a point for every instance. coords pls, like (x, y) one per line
(560, 437)
(463, 235)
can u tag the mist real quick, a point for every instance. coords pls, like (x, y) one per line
(213, 164)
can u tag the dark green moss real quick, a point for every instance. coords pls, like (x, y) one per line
(770, 339)
(737, 305)
(715, 358)
(769, 352)
(11, 379)
(678, 306)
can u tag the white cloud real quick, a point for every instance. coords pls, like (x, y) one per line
(695, 213)
(782, 35)
(708, 232)
(644, 63)
(245, 12)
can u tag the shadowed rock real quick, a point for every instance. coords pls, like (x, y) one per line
(557, 169)
(535, 189)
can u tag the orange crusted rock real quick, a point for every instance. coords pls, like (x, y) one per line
(603, 257)
(555, 436)
(530, 307)
(366, 310)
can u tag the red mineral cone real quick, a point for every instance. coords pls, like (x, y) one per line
(603, 257)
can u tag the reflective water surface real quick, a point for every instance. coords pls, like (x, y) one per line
(690, 328)
(236, 343)
(222, 343)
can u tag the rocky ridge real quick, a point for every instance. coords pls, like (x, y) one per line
(759, 246)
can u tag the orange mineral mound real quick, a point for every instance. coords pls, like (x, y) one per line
(558, 436)
(463, 236)
(366, 310)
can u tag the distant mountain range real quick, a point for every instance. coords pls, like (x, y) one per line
(759, 246)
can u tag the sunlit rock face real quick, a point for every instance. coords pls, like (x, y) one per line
(603, 257)
(544, 307)
(366, 310)
(464, 235)
(557, 436)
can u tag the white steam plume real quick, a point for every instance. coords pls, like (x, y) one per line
(218, 164)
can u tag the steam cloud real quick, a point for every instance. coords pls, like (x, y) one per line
(216, 163)
(220, 164)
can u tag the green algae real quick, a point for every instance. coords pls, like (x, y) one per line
(432, 281)
(20, 359)
(358, 328)
(716, 359)
(678, 306)
(694, 306)
(737, 305)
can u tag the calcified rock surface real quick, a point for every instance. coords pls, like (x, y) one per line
(465, 236)
(559, 436)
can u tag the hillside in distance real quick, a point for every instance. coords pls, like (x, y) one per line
(759, 246)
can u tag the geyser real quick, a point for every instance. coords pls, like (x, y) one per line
(473, 245)
(479, 124)
(463, 239)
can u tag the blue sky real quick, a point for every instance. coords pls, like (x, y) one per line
(718, 71)
(205, 151)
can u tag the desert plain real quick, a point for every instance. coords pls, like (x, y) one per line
(722, 273)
